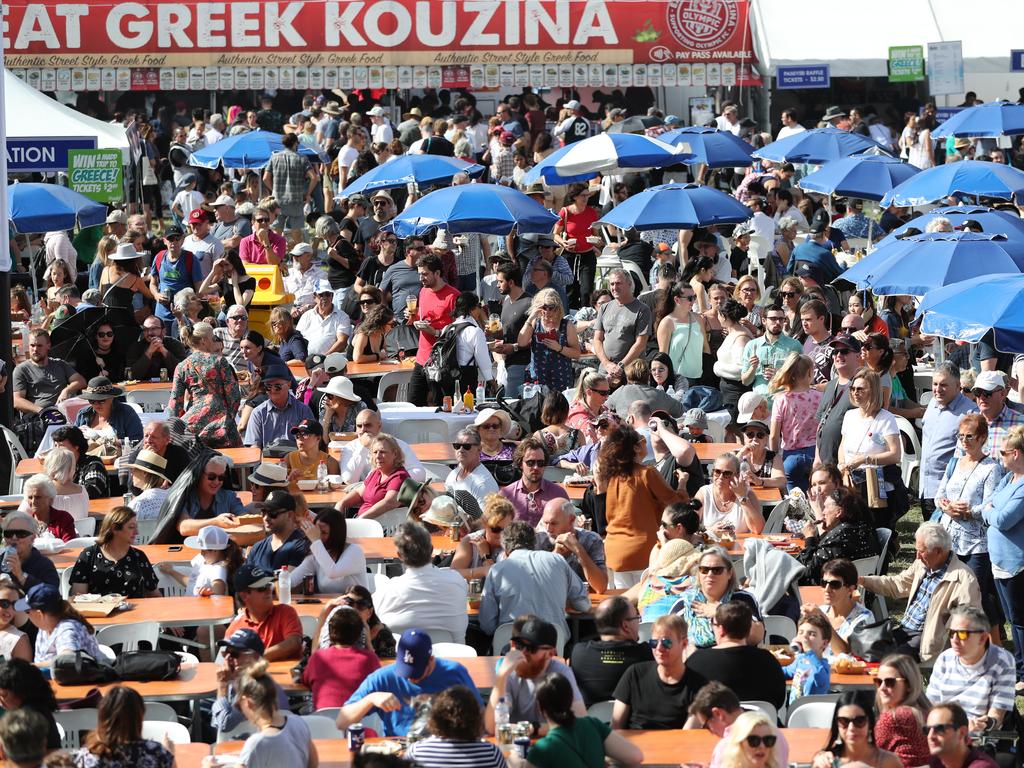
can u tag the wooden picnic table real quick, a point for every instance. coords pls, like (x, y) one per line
(149, 386)
(369, 370)
(157, 553)
(195, 681)
(242, 458)
(103, 507)
(180, 611)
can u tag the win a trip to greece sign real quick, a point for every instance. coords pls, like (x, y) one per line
(96, 173)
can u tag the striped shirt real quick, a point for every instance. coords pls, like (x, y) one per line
(977, 688)
(433, 752)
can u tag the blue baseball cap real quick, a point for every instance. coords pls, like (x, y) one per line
(43, 597)
(243, 640)
(415, 649)
(250, 577)
(276, 372)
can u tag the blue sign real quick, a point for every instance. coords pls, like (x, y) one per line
(44, 153)
(1017, 61)
(942, 114)
(812, 76)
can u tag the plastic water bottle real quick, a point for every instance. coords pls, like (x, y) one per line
(744, 467)
(126, 447)
(8, 550)
(481, 393)
(671, 391)
(321, 476)
(284, 586)
(502, 714)
(529, 390)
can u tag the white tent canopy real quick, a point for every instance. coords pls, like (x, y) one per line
(854, 38)
(31, 114)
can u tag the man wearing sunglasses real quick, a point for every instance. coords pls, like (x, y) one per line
(835, 400)
(154, 351)
(286, 544)
(276, 624)
(530, 659)
(274, 418)
(469, 474)
(263, 246)
(973, 672)
(765, 354)
(949, 741)
(25, 564)
(174, 269)
(601, 662)
(531, 492)
(941, 425)
(240, 649)
(990, 393)
(715, 708)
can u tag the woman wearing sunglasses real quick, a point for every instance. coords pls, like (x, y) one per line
(480, 550)
(589, 404)
(376, 636)
(851, 736)
(291, 345)
(902, 709)
(368, 341)
(841, 607)
(205, 498)
(728, 504)
(790, 292)
(21, 562)
(112, 565)
(716, 583)
(14, 644)
(877, 356)
(751, 743)
(765, 466)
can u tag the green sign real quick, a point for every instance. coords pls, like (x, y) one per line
(906, 63)
(97, 174)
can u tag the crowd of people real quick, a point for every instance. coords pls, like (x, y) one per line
(621, 374)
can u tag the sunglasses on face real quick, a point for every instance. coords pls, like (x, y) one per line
(6, 604)
(688, 297)
(841, 352)
(939, 728)
(788, 294)
(496, 528)
(601, 392)
(775, 319)
(104, 334)
(525, 646)
(966, 438)
(534, 463)
(963, 634)
(367, 302)
(714, 570)
(663, 642)
(983, 393)
(262, 221)
(490, 425)
(858, 390)
(213, 478)
(276, 387)
(353, 602)
(14, 534)
(726, 473)
(464, 446)
(857, 722)
(751, 435)
(887, 682)
(832, 584)
(172, 238)
(272, 513)
(756, 741)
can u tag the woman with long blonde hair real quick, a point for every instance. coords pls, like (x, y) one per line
(752, 742)
(590, 404)
(104, 248)
(794, 427)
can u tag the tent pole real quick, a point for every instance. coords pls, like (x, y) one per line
(6, 346)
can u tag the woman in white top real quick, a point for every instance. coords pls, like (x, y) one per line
(148, 474)
(729, 503)
(870, 435)
(59, 465)
(14, 643)
(337, 563)
(729, 363)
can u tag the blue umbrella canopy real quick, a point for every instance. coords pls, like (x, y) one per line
(996, 118)
(992, 222)
(425, 170)
(968, 178)
(866, 177)
(818, 145)
(919, 264)
(34, 207)
(710, 147)
(246, 150)
(485, 208)
(967, 310)
(607, 153)
(677, 206)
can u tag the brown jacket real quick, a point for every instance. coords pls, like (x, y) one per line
(633, 509)
(958, 586)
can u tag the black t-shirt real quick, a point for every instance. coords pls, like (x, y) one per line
(513, 318)
(694, 482)
(830, 415)
(653, 704)
(752, 673)
(337, 275)
(599, 665)
(371, 271)
(228, 292)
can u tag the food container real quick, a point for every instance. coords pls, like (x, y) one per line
(307, 485)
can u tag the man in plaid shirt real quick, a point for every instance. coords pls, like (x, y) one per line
(990, 394)
(292, 180)
(503, 162)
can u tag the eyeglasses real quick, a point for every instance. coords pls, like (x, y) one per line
(857, 722)
(213, 478)
(104, 334)
(726, 473)
(464, 446)
(534, 463)
(714, 570)
(664, 642)
(15, 534)
(262, 220)
(939, 728)
(601, 392)
(887, 682)
(775, 319)
(966, 438)
(756, 741)
(963, 634)
(491, 425)
(276, 387)
(688, 297)
(832, 584)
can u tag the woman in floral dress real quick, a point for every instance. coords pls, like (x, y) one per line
(205, 392)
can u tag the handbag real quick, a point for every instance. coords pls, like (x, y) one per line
(875, 494)
(147, 665)
(80, 668)
(105, 448)
(873, 642)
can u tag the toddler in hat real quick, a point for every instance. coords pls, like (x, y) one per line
(212, 568)
(695, 424)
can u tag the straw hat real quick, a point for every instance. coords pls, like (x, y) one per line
(487, 413)
(443, 512)
(152, 462)
(676, 558)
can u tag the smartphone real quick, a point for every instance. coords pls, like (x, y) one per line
(174, 548)
(309, 601)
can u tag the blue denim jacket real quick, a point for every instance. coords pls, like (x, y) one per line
(1005, 517)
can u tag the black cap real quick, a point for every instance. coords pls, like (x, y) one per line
(248, 576)
(279, 501)
(538, 632)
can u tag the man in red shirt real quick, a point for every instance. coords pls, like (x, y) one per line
(277, 625)
(433, 314)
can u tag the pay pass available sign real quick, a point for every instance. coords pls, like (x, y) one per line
(97, 174)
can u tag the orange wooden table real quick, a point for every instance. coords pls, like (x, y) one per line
(368, 370)
(103, 507)
(442, 452)
(149, 386)
(181, 611)
(190, 754)
(195, 681)
(481, 670)
(384, 549)
(157, 553)
(708, 452)
(243, 458)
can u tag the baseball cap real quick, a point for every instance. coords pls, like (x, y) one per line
(845, 341)
(276, 372)
(210, 537)
(44, 597)
(507, 137)
(805, 270)
(359, 199)
(321, 287)
(309, 426)
(243, 640)
(757, 423)
(198, 216)
(301, 248)
(538, 632)
(174, 231)
(249, 576)
(748, 403)
(335, 362)
(279, 501)
(117, 217)
(415, 649)
(989, 381)
(572, 104)
(376, 111)
(224, 200)
(695, 417)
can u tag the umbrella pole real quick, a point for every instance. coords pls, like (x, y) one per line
(6, 345)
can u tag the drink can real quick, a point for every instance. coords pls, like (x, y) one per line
(356, 737)
(505, 733)
(309, 584)
(522, 746)
(164, 375)
(127, 499)
(476, 587)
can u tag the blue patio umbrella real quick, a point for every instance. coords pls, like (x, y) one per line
(992, 222)
(34, 207)
(966, 311)
(866, 177)
(818, 145)
(246, 150)
(485, 208)
(677, 206)
(919, 264)
(968, 179)
(425, 170)
(607, 153)
(710, 147)
(995, 118)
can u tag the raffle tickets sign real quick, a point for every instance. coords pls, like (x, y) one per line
(97, 174)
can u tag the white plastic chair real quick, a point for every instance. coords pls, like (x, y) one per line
(309, 625)
(437, 470)
(364, 528)
(782, 626)
(186, 658)
(74, 721)
(170, 586)
(146, 530)
(774, 522)
(128, 636)
(556, 474)
(422, 431)
(602, 710)
(911, 457)
(150, 400)
(399, 379)
(17, 453)
(156, 730)
(108, 652)
(158, 711)
(644, 631)
(86, 526)
(321, 727)
(391, 519)
(812, 711)
(454, 651)
(753, 705)
(80, 542)
(65, 583)
(866, 565)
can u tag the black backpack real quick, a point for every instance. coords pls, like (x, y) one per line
(443, 363)
(147, 665)
(79, 668)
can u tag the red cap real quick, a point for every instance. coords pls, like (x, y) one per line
(198, 216)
